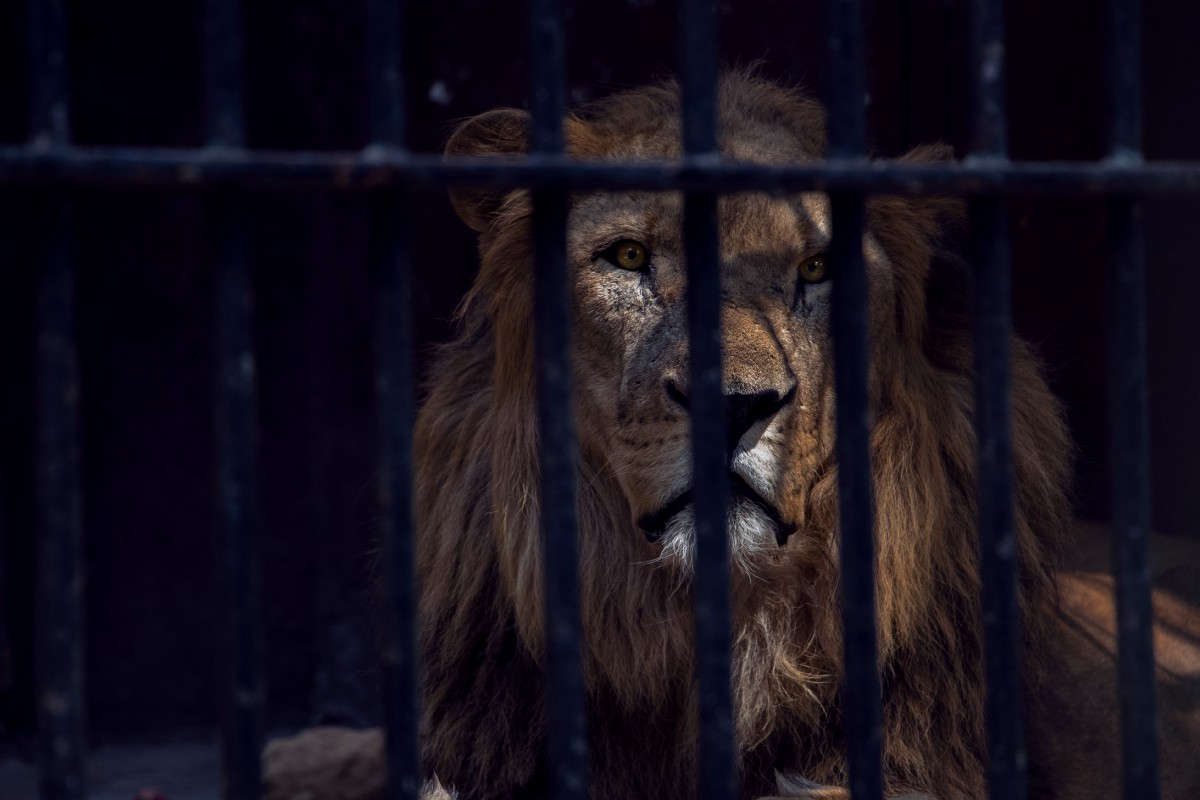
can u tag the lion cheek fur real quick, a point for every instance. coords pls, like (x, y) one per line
(479, 552)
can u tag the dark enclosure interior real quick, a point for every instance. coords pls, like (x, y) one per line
(146, 312)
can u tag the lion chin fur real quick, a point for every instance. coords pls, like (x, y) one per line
(479, 546)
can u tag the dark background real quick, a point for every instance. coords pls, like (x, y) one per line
(145, 315)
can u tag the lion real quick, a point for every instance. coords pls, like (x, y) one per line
(477, 479)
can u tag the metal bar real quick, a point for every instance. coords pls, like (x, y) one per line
(391, 265)
(989, 129)
(546, 78)
(997, 531)
(566, 698)
(718, 775)
(847, 98)
(59, 553)
(237, 492)
(385, 73)
(993, 417)
(699, 78)
(59, 579)
(1125, 79)
(862, 698)
(394, 346)
(223, 73)
(48, 116)
(1130, 420)
(242, 726)
(202, 169)
(1131, 503)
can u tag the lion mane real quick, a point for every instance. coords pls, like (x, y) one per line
(479, 541)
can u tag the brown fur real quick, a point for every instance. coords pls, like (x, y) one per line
(477, 481)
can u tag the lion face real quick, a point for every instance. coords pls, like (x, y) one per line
(632, 355)
(629, 281)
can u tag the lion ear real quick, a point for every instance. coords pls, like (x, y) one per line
(501, 132)
(504, 133)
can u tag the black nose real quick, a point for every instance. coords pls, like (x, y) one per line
(741, 410)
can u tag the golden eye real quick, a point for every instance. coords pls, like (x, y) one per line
(628, 254)
(814, 270)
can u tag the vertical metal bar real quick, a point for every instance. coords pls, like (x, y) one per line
(48, 117)
(989, 132)
(1125, 79)
(59, 564)
(862, 699)
(1130, 421)
(57, 483)
(237, 493)
(993, 423)
(993, 419)
(385, 78)
(390, 263)
(241, 729)
(699, 78)
(389, 254)
(997, 531)
(565, 693)
(847, 98)
(718, 778)
(863, 705)
(1131, 502)
(223, 73)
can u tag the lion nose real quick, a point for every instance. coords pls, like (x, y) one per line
(742, 410)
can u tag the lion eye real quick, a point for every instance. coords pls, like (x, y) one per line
(815, 270)
(628, 254)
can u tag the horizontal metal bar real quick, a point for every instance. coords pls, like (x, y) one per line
(149, 168)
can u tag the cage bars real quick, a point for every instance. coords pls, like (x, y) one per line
(236, 424)
(353, 172)
(999, 553)
(388, 173)
(716, 776)
(565, 699)
(57, 511)
(389, 254)
(862, 706)
(1129, 418)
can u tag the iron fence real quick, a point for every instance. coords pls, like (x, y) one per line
(225, 168)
